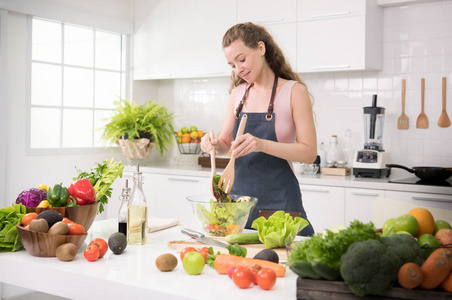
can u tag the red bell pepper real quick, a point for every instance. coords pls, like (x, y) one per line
(82, 191)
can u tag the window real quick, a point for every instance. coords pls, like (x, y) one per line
(76, 75)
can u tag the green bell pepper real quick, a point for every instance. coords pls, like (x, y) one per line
(57, 195)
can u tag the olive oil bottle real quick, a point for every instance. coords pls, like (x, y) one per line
(137, 212)
(123, 209)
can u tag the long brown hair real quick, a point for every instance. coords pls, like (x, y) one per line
(251, 34)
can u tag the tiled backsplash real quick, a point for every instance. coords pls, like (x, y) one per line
(417, 43)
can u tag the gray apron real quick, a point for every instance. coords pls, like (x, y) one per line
(266, 177)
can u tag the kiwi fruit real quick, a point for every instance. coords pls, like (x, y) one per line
(66, 252)
(39, 225)
(51, 216)
(59, 228)
(166, 262)
(117, 242)
(268, 254)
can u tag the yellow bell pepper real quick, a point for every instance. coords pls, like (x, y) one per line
(44, 203)
(43, 187)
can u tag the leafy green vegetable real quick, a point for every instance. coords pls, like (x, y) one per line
(223, 214)
(102, 177)
(9, 217)
(328, 248)
(237, 250)
(211, 257)
(279, 229)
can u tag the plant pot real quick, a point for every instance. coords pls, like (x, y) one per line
(139, 149)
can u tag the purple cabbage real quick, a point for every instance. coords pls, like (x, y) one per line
(31, 197)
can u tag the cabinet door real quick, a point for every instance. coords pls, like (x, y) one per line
(309, 10)
(324, 206)
(172, 195)
(266, 12)
(180, 39)
(359, 203)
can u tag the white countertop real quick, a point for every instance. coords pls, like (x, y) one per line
(318, 179)
(131, 275)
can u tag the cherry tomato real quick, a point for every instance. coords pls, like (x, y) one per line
(185, 251)
(28, 218)
(266, 278)
(242, 277)
(67, 221)
(204, 251)
(75, 229)
(91, 253)
(254, 270)
(102, 245)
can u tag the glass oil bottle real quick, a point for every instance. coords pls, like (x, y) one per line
(137, 212)
(123, 209)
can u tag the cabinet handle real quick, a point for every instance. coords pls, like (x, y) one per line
(331, 15)
(419, 198)
(182, 179)
(331, 67)
(269, 21)
(365, 194)
(316, 190)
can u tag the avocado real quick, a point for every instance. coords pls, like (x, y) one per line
(117, 242)
(51, 216)
(268, 254)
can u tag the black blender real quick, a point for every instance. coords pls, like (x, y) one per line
(372, 160)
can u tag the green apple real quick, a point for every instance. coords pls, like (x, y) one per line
(428, 243)
(193, 263)
(184, 130)
(440, 224)
(407, 223)
(193, 129)
(403, 232)
(388, 227)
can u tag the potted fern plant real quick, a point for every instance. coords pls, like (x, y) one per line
(137, 128)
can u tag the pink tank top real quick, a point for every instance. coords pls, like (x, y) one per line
(284, 124)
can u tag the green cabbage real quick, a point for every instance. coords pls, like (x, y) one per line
(279, 229)
(9, 217)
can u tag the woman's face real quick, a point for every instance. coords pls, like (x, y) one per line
(246, 62)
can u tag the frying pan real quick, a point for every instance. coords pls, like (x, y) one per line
(426, 173)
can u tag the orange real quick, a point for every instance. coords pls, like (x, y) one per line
(425, 220)
(200, 133)
(186, 138)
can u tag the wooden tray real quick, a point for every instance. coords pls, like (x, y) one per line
(252, 249)
(336, 171)
(338, 290)
(220, 162)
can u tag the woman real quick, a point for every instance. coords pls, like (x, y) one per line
(280, 126)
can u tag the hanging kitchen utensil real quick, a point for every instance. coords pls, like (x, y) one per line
(212, 165)
(227, 178)
(426, 173)
(444, 120)
(422, 120)
(403, 121)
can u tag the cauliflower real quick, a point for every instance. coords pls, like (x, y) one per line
(405, 246)
(369, 268)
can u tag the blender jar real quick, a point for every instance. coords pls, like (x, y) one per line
(373, 126)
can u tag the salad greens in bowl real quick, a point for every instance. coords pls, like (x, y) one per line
(222, 218)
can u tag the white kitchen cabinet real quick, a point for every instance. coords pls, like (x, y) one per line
(324, 205)
(278, 17)
(339, 36)
(441, 201)
(359, 203)
(181, 39)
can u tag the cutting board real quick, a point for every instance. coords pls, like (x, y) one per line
(252, 249)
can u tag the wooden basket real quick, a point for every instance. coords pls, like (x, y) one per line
(138, 150)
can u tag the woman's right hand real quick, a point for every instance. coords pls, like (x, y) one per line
(207, 143)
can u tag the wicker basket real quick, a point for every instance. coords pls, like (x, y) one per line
(139, 150)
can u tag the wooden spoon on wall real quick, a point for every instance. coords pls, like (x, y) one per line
(444, 120)
(422, 120)
(403, 121)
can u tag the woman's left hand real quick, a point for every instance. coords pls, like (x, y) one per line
(245, 144)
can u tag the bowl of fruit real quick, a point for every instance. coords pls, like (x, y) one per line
(189, 139)
(221, 217)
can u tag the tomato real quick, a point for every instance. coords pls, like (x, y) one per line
(266, 278)
(102, 245)
(185, 251)
(91, 253)
(75, 229)
(28, 218)
(67, 221)
(193, 263)
(242, 277)
(204, 251)
(254, 270)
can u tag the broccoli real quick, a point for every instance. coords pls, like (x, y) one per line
(405, 246)
(369, 268)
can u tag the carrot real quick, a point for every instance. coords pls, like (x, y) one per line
(447, 283)
(223, 262)
(436, 268)
(410, 276)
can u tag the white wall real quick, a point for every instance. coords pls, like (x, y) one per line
(417, 43)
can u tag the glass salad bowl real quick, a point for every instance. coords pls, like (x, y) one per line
(222, 218)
